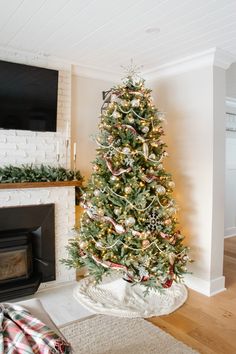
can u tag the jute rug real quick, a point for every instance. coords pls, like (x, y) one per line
(100, 334)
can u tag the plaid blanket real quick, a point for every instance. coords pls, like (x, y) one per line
(21, 333)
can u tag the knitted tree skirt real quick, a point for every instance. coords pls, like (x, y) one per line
(114, 296)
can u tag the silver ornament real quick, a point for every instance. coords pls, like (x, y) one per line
(130, 221)
(128, 190)
(160, 189)
(161, 116)
(117, 211)
(119, 229)
(171, 211)
(135, 102)
(97, 192)
(126, 150)
(145, 130)
(113, 178)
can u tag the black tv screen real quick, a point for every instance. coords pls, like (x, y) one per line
(28, 97)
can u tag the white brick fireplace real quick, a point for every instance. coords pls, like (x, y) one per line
(26, 147)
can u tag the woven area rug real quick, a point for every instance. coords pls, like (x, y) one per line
(102, 334)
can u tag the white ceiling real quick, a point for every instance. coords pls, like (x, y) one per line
(105, 34)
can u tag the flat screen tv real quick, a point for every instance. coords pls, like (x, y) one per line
(28, 97)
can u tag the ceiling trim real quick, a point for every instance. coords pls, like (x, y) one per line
(211, 57)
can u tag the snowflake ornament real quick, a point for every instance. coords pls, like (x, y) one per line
(153, 221)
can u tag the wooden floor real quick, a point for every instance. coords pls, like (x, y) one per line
(208, 324)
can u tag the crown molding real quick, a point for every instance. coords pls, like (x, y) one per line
(95, 73)
(211, 57)
(39, 59)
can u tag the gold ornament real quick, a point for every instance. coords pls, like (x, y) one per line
(167, 222)
(145, 243)
(83, 244)
(171, 184)
(128, 190)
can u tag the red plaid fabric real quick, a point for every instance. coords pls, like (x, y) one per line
(21, 333)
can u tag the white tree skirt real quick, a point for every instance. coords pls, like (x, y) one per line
(114, 296)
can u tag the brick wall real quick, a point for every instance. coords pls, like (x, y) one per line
(64, 200)
(21, 147)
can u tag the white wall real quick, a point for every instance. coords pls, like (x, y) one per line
(230, 165)
(190, 102)
(86, 109)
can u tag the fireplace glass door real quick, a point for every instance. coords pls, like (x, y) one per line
(15, 263)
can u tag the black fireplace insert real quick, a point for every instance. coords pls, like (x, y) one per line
(27, 249)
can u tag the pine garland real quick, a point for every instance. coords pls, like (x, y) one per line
(31, 173)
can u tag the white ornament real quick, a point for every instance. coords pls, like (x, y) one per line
(152, 156)
(126, 150)
(160, 166)
(117, 211)
(145, 150)
(145, 130)
(98, 244)
(113, 178)
(128, 190)
(116, 114)
(160, 189)
(97, 192)
(130, 221)
(135, 102)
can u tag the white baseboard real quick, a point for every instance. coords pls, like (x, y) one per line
(230, 232)
(229, 236)
(205, 287)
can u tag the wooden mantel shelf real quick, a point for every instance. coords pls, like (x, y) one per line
(40, 184)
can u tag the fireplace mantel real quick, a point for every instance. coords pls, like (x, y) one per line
(40, 184)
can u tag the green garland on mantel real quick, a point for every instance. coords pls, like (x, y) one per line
(31, 173)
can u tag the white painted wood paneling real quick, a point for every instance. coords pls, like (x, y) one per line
(104, 34)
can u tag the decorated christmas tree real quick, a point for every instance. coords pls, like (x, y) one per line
(129, 223)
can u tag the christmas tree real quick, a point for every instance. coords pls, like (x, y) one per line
(129, 222)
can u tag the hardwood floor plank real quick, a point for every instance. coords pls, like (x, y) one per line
(208, 324)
